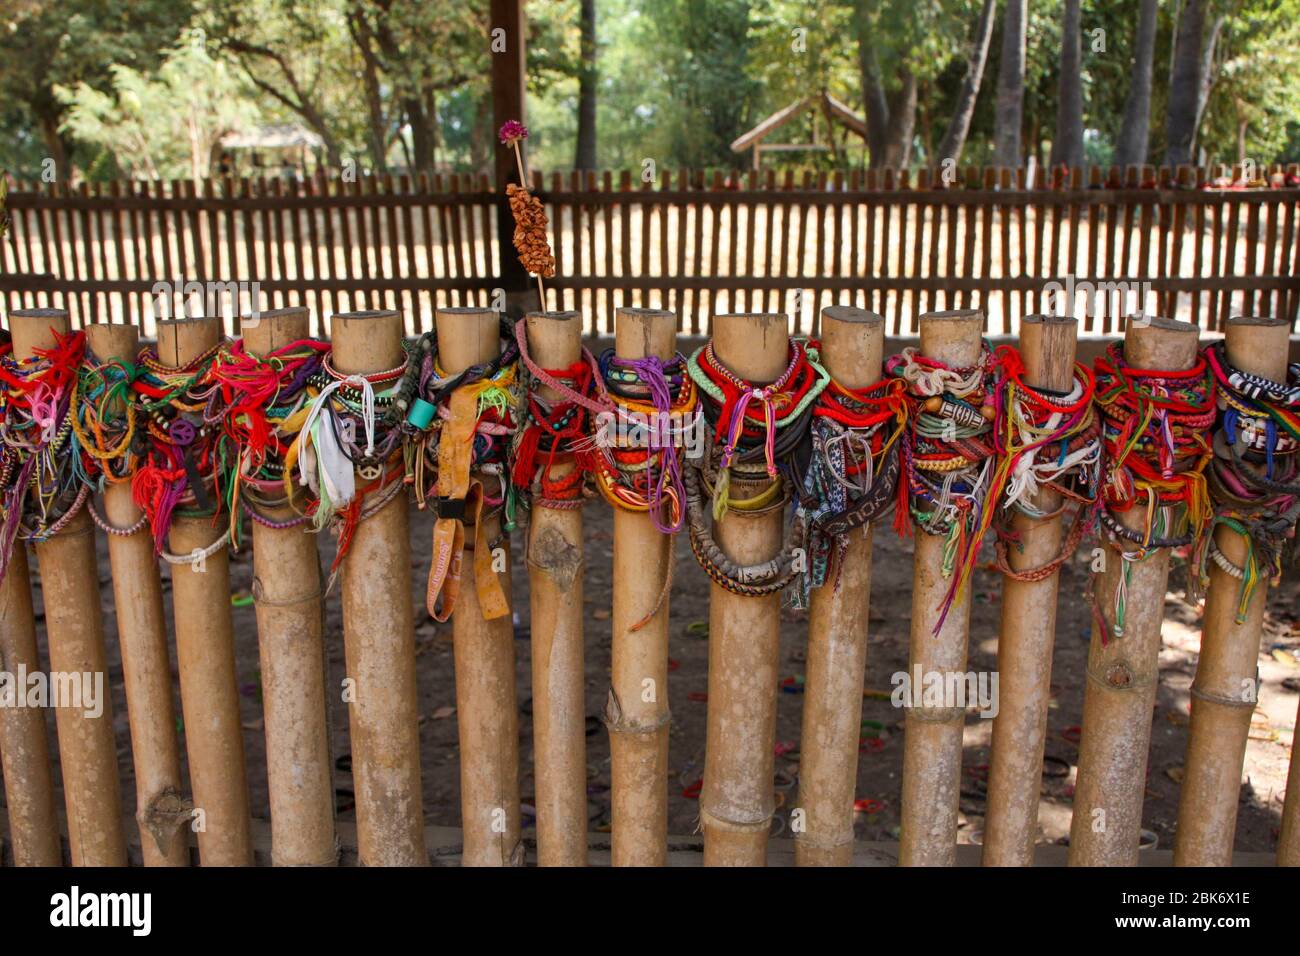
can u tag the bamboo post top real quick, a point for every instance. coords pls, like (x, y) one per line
(271, 329)
(852, 355)
(34, 329)
(113, 340)
(753, 345)
(554, 342)
(954, 337)
(466, 337)
(1259, 346)
(366, 342)
(1161, 343)
(642, 332)
(181, 341)
(1047, 346)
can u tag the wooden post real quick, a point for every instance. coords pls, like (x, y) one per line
(1120, 691)
(74, 628)
(1028, 632)
(487, 718)
(508, 101)
(932, 741)
(161, 810)
(379, 638)
(1288, 843)
(853, 343)
(736, 804)
(1225, 690)
(24, 748)
(555, 571)
(638, 727)
(291, 641)
(205, 651)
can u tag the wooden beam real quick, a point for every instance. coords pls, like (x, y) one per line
(508, 39)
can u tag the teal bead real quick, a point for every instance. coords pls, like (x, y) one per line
(421, 414)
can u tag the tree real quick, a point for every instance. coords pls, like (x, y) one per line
(954, 138)
(1133, 136)
(164, 125)
(903, 47)
(1181, 115)
(49, 43)
(585, 150)
(1011, 85)
(1067, 145)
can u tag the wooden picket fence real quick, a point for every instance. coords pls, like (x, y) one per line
(900, 243)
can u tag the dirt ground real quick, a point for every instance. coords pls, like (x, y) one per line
(880, 764)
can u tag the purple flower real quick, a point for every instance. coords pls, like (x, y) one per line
(512, 131)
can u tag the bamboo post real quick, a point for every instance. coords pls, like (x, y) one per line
(555, 572)
(636, 710)
(24, 748)
(1226, 689)
(379, 638)
(74, 628)
(205, 651)
(1288, 843)
(161, 810)
(1120, 691)
(488, 722)
(291, 642)
(1028, 631)
(932, 742)
(736, 803)
(853, 343)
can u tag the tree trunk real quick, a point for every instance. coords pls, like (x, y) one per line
(1185, 85)
(423, 133)
(1011, 86)
(954, 138)
(1208, 74)
(585, 153)
(1133, 135)
(902, 122)
(54, 145)
(1067, 144)
(874, 102)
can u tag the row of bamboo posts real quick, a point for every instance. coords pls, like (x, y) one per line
(736, 805)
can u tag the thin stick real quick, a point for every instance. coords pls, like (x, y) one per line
(523, 182)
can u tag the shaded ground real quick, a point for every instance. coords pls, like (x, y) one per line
(880, 764)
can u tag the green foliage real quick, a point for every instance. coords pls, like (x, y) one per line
(165, 124)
